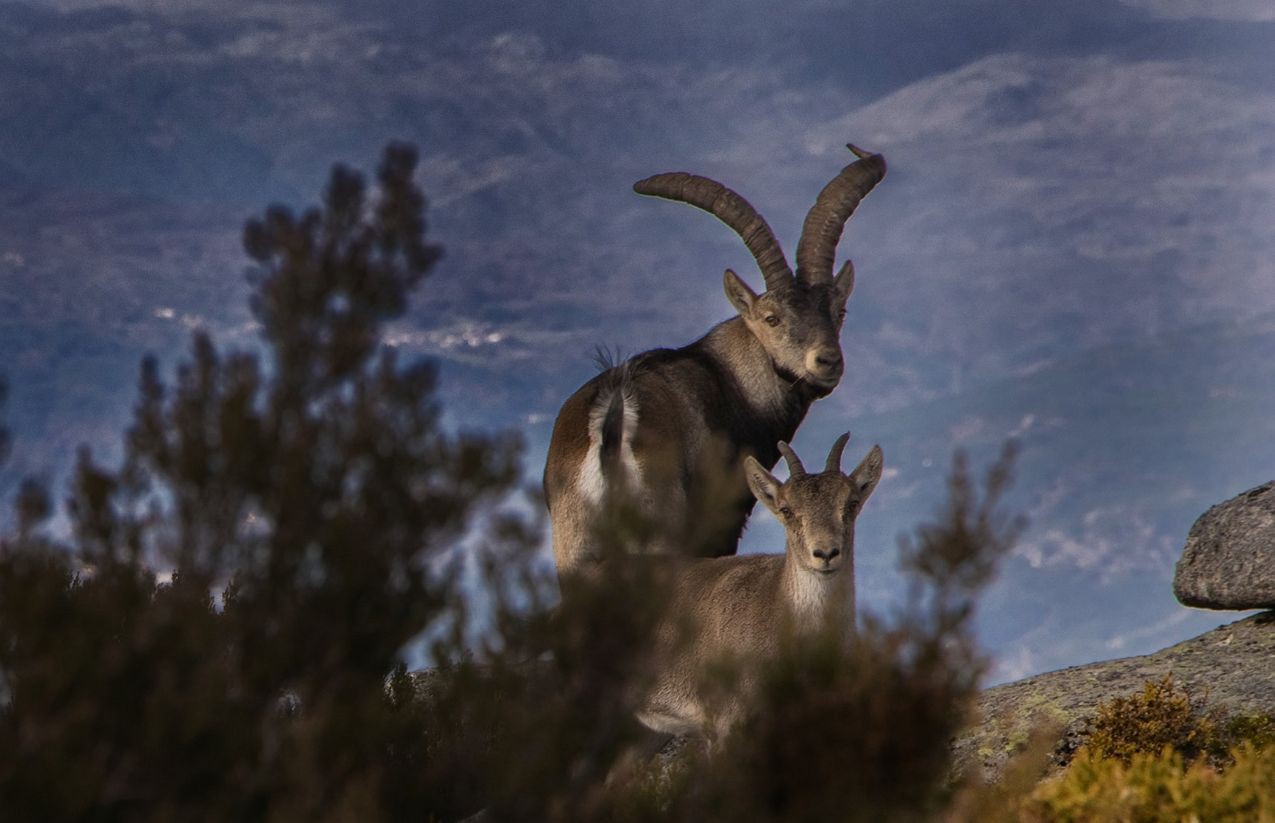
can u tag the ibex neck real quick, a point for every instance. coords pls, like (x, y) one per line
(813, 598)
(767, 394)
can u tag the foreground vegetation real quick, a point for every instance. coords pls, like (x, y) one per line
(308, 507)
(1157, 756)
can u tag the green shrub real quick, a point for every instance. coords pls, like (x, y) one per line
(1157, 755)
(1255, 729)
(1165, 715)
(1160, 716)
(1158, 787)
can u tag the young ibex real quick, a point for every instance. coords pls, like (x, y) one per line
(669, 426)
(743, 607)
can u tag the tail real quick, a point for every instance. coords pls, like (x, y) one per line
(611, 423)
(612, 433)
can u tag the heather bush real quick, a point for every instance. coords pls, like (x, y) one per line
(1257, 730)
(1159, 787)
(1155, 755)
(1165, 716)
(1160, 716)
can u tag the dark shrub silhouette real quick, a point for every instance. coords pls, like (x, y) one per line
(314, 486)
(307, 500)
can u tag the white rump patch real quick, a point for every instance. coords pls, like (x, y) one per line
(592, 482)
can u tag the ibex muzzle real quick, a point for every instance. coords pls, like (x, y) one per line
(668, 428)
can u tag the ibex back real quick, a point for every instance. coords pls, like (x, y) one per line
(667, 429)
(743, 607)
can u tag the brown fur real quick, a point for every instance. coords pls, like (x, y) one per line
(743, 607)
(672, 443)
(698, 411)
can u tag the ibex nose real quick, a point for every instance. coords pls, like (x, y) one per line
(827, 556)
(826, 360)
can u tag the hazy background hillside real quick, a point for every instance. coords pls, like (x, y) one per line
(1073, 244)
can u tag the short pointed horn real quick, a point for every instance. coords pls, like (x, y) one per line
(827, 217)
(732, 210)
(834, 456)
(795, 469)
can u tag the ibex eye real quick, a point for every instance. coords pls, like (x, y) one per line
(786, 512)
(772, 320)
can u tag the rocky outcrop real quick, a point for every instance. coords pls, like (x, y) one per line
(1230, 669)
(1229, 558)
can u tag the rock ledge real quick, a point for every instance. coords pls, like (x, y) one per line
(1232, 669)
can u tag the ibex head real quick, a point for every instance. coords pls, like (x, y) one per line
(818, 510)
(798, 318)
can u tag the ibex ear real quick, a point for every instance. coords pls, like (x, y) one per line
(843, 283)
(738, 293)
(867, 473)
(763, 484)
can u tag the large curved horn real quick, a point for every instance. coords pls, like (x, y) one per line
(795, 469)
(732, 210)
(827, 217)
(834, 456)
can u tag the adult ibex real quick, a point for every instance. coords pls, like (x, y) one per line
(743, 607)
(668, 428)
